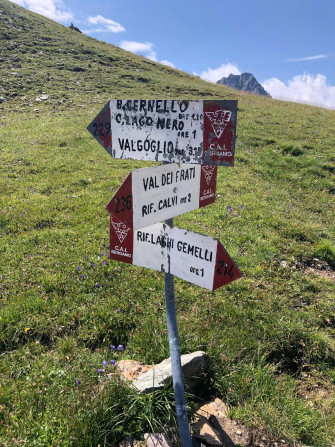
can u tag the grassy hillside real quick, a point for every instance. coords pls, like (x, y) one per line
(270, 335)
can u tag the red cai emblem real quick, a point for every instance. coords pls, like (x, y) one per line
(219, 134)
(208, 171)
(219, 120)
(121, 230)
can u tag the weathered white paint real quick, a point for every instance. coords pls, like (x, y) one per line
(168, 130)
(150, 195)
(194, 257)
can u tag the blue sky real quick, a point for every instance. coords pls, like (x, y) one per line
(289, 46)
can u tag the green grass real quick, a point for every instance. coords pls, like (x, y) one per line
(270, 335)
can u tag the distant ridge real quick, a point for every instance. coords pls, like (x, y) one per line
(245, 82)
(40, 57)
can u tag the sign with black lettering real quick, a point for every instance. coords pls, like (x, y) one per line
(196, 132)
(150, 195)
(194, 257)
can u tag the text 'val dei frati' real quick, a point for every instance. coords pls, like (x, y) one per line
(168, 178)
(200, 132)
(157, 193)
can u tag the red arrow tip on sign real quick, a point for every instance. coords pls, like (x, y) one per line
(101, 128)
(226, 270)
(121, 205)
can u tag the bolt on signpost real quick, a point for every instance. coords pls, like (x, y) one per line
(191, 138)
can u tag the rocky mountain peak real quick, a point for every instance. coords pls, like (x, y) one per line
(245, 82)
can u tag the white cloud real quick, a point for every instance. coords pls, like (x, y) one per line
(145, 49)
(137, 47)
(54, 9)
(106, 25)
(215, 74)
(304, 88)
(309, 58)
(152, 56)
(168, 63)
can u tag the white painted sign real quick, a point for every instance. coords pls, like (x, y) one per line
(194, 257)
(200, 132)
(150, 195)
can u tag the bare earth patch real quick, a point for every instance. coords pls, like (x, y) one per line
(316, 393)
(317, 267)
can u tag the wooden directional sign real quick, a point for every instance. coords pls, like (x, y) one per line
(150, 195)
(198, 259)
(200, 132)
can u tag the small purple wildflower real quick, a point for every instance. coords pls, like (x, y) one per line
(100, 371)
(118, 311)
(104, 263)
(112, 362)
(83, 276)
(96, 285)
(156, 303)
(104, 363)
(85, 257)
(78, 382)
(112, 347)
(101, 254)
(78, 268)
(120, 348)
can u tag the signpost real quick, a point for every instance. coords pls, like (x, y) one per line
(194, 257)
(201, 132)
(150, 195)
(199, 136)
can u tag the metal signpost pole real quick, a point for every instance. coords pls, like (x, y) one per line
(177, 374)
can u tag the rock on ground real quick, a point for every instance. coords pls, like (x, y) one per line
(202, 430)
(215, 408)
(131, 369)
(157, 440)
(193, 366)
